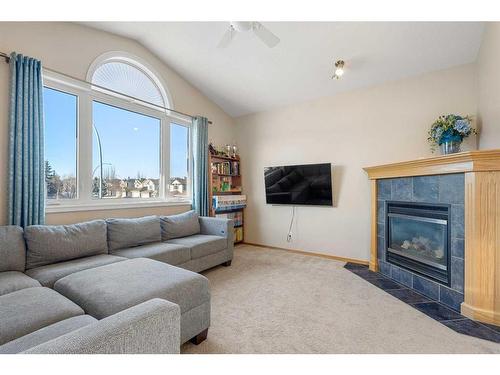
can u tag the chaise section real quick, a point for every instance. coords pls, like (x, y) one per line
(150, 327)
(28, 310)
(11, 281)
(106, 290)
(201, 244)
(49, 274)
(164, 252)
(46, 334)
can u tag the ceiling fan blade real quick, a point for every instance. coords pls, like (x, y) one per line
(226, 38)
(265, 35)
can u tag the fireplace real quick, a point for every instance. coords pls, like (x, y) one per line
(418, 238)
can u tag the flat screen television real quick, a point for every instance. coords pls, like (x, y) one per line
(308, 184)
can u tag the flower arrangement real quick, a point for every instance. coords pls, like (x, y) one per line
(450, 128)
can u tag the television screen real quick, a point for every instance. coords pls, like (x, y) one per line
(309, 184)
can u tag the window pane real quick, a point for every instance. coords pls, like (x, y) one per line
(60, 110)
(125, 154)
(179, 161)
(128, 80)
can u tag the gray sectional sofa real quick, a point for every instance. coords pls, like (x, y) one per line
(109, 286)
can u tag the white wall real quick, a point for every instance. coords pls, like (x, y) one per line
(382, 124)
(71, 48)
(488, 64)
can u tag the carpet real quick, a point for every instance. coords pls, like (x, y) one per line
(274, 301)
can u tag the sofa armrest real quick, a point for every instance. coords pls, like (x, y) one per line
(217, 226)
(150, 327)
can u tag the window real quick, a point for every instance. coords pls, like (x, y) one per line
(179, 161)
(126, 79)
(125, 153)
(113, 147)
(60, 144)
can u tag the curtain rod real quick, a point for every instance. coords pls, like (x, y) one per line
(7, 59)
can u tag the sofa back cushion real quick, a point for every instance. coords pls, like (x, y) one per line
(181, 225)
(55, 243)
(124, 233)
(12, 249)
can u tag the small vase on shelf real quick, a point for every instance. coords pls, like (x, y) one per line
(450, 145)
(449, 131)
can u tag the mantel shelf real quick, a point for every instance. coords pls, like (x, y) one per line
(470, 161)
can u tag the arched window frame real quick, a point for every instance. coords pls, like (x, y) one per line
(136, 62)
(87, 94)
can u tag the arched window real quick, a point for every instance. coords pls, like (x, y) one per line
(127, 75)
(131, 150)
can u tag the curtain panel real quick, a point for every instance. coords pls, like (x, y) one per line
(199, 141)
(26, 192)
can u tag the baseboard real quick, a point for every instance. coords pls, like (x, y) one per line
(310, 253)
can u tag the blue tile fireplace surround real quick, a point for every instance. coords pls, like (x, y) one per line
(446, 191)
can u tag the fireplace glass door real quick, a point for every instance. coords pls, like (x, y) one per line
(417, 238)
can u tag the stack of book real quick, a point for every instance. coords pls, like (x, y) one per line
(229, 202)
(237, 217)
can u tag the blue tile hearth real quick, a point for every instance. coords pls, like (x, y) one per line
(471, 328)
(437, 311)
(408, 295)
(384, 283)
(428, 306)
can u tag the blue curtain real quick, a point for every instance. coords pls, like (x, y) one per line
(26, 172)
(199, 140)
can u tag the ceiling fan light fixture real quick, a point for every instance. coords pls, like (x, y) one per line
(339, 69)
(262, 33)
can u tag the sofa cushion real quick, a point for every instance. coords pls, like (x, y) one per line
(103, 291)
(56, 243)
(12, 248)
(10, 281)
(123, 233)
(49, 274)
(46, 334)
(181, 225)
(27, 310)
(201, 244)
(161, 251)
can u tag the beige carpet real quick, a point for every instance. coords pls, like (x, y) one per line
(273, 301)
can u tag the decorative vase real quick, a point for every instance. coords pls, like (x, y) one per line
(450, 147)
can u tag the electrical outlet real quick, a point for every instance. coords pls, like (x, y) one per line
(289, 237)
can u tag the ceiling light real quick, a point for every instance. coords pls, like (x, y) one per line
(339, 69)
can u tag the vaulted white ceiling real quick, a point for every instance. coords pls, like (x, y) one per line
(249, 77)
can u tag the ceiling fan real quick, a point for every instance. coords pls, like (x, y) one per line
(266, 36)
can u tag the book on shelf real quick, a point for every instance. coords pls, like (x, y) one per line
(238, 234)
(229, 202)
(230, 168)
(237, 217)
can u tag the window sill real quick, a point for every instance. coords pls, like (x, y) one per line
(99, 206)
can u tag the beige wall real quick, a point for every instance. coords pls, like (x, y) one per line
(488, 64)
(71, 48)
(381, 124)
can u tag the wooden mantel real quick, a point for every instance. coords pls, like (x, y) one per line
(471, 161)
(482, 222)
